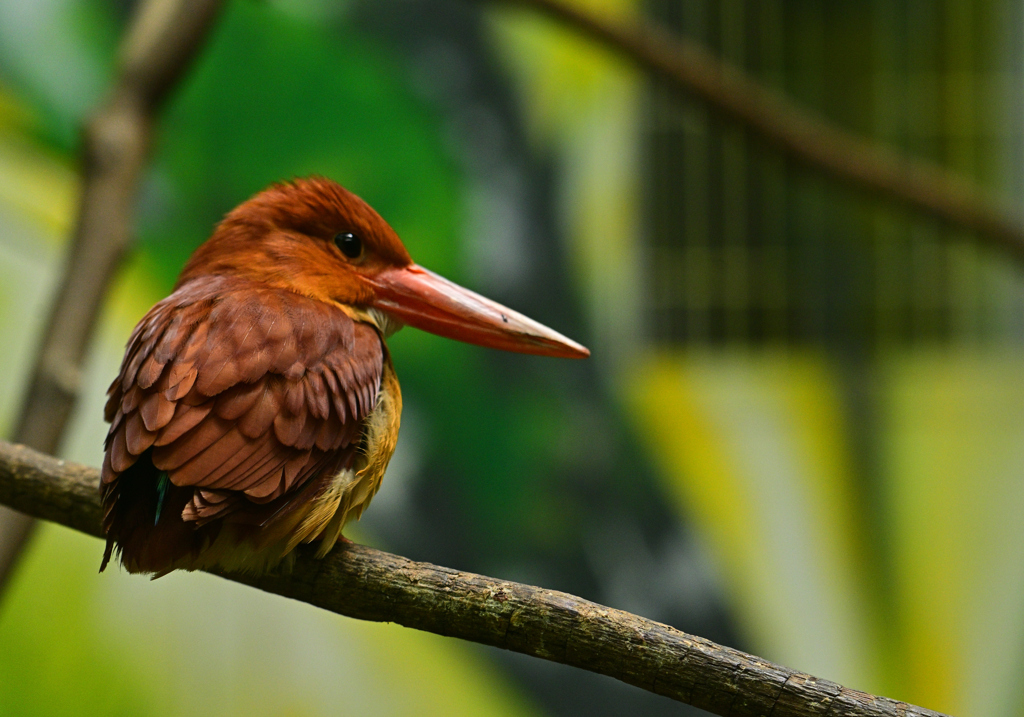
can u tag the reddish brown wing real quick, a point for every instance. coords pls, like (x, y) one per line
(242, 394)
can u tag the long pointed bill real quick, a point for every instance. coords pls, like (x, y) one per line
(419, 297)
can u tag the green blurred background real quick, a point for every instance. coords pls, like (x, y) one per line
(800, 432)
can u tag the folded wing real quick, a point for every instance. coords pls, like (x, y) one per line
(245, 398)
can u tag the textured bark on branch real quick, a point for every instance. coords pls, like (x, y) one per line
(161, 41)
(369, 584)
(815, 142)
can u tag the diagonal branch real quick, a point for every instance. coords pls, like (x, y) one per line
(817, 143)
(162, 39)
(368, 584)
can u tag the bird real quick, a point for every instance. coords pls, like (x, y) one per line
(257, 407)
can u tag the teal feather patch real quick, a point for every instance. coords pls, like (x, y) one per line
(162, 482)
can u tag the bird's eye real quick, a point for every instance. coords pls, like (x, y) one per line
(350, 245)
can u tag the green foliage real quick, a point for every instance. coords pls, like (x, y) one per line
(53, 653)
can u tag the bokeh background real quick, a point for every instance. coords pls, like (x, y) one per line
(801, 432)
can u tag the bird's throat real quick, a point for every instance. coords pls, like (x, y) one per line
(381, 320)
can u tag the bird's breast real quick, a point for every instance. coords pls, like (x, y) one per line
(352, 489)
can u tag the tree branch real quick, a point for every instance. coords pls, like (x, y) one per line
(369, 584)
(820, 145)
(161, 41)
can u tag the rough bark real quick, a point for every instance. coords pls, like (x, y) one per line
(369, 584)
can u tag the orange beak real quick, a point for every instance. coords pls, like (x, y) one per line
(419, 297)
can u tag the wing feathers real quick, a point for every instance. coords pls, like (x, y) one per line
(120, 458)
(198, 470)
(255, 463)
(156, 412)
(239, 400)
(130, 399)
(316, 395)
(258, 419)
(288, 426)
(244, 395)
(176, 454)
(208, 505)
(149, 372)
(137, 437)
(294, 396)
(185, 419)
(180, 380)
(330, 434)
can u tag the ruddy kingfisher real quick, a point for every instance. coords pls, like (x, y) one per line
(257, 407)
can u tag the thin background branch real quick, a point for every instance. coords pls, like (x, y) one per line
(813, 141)
(369, 584)
(162, 39)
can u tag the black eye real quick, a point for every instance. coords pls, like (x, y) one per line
(350, 245)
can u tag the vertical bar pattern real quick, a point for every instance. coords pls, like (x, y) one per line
(752, 251)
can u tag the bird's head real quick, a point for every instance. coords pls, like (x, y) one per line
(316, 238)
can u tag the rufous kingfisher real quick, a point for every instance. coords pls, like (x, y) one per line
(257, 407)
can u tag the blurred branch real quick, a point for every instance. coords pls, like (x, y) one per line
(369, 584)
(820, 145)
(161, 40)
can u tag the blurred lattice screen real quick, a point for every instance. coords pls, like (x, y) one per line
(746, 247)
